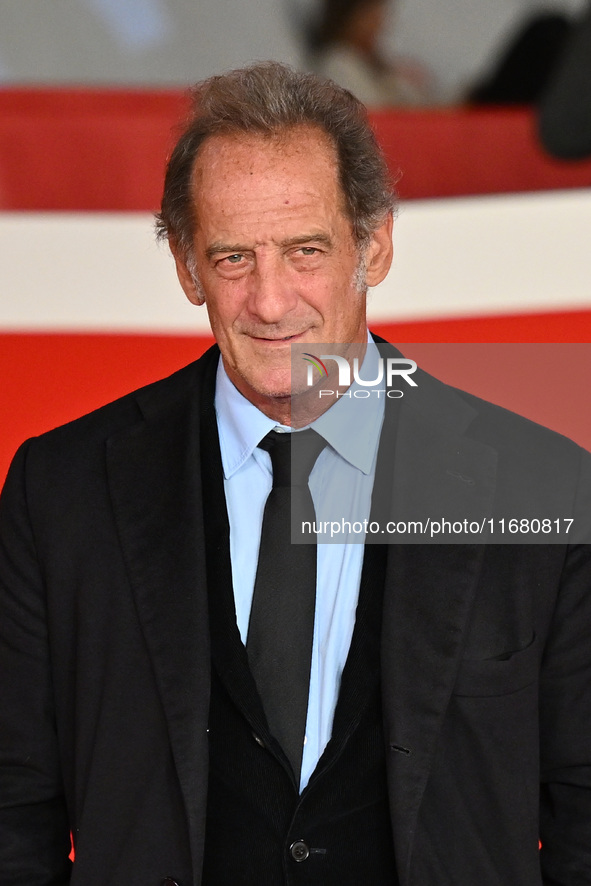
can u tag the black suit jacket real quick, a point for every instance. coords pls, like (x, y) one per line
(104, 652)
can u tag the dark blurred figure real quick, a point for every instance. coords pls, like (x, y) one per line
(527, 65)
(344, 46)
(565, 109)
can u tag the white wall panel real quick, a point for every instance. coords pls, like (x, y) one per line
(457, 257)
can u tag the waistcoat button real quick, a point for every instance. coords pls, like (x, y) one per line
(169, 881)
(299, 851)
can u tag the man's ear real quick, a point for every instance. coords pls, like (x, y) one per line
(378, 255)
(187, 277)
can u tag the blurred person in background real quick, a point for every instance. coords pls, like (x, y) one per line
(344, 46)
(527, 64)
(565, 108)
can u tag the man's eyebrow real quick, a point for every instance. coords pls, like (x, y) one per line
(308, 238)
(230, 248)
(298, 240)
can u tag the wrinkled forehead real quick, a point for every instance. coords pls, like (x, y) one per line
(300, 153)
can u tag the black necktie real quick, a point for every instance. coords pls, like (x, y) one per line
(281, 626)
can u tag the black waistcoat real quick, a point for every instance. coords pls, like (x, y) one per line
(260, 831)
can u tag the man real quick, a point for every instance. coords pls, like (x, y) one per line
(448, 712)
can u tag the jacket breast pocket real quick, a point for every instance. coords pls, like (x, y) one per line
(499, 676)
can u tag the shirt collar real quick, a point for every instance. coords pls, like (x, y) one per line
(241, 426)
(351, 426)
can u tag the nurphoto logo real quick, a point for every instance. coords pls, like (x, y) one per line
(388, 370)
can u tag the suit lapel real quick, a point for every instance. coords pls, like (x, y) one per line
(156, 493)
(429, 590)
(228, 652)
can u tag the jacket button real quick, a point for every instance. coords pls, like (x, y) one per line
(169, 881)
(299, 851)
(258, 740)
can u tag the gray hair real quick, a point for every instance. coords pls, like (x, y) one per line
(270, 98)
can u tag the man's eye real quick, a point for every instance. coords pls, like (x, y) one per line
(235, 258)
(309, 250)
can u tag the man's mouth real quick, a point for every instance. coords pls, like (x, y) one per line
(278, 339)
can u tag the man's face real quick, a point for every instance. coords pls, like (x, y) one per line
(276, 257)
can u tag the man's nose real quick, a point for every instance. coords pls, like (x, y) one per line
(272, 290)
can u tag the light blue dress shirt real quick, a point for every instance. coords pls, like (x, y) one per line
(344, 475)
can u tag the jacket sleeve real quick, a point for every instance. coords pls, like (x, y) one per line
(34, 830)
